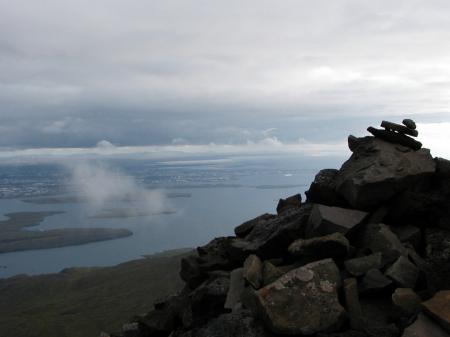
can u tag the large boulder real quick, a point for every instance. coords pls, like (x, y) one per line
(403, 272)
(327, 220)
(424, 327)
(303, 301)
(245, 228)
(360, 265)
(323, 189)
(294, 201)
(374, 283)
(253, 271)
(438, 307)
(377, 170)
(333, 245)
(237, 285)
(270, 238)
(437, 255)
(236, 324)
(405, 302)
(378, 237)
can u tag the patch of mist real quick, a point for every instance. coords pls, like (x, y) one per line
(102, 187)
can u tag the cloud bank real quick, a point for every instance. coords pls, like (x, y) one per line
(152, 72)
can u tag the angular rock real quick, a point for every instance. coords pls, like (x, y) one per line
(348, 333)
(377, 170)
(380, 238)
(208, 300)
(237, 285)
(270, 273)
(424, 327)
(395, 138)
(403, 273)
(236, 324)
(270, 239)
(376, 317)
(374, 282)
(131, 330)
(408, 234)
(323, 189)
(405, 302)
(437, 256)
(442, 167)
(294, 201)
(409, 123)
(252, 271)
(224, 253)
(361, 265)
(352, 303)
(327, 220)
(438, 307)
(333, 245)
(399, 128)
(303, 301)
(244, 229)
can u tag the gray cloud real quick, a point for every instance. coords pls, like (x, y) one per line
(137, 72)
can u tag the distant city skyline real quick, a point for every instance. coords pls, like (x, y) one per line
(234, 77)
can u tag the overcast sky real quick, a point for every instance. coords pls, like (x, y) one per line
(135, 73)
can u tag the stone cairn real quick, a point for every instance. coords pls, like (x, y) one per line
(399, 134)
(366, 255)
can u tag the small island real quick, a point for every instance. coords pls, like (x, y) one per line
(13, 237)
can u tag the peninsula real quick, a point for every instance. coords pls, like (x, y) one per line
(15, 237)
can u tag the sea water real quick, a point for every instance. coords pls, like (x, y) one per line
(206, 199)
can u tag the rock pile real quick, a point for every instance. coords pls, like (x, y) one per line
(396, 133)
(367, 254)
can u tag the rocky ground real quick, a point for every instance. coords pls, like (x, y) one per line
(367, 254)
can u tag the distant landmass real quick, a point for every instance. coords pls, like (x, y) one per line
(13, 237)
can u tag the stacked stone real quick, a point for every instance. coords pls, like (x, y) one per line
(367, 255)
(399, 134)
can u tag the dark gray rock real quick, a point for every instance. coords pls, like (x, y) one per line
(253, 270)
(348, 333)
(374, 282)
(442, 167)
(395, 138)
(294, 201)
(438, 307)
(403, 273)
(409, 123)
(333, 245)
(352, 303)
(408, 234)
(380, 238)
(208, 300)
(405, 302)
(328, 220)
(270, 273)
(424, 327)
(437, 256)
(303, 301)
(237, 285)
(378, 170)
(237, 324)
(323, 189)
(224, 253)
(270, 239)
(399, 128)
(244, 229)
(361, 265)
(131, 330)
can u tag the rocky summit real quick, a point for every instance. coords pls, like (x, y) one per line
(367, 254)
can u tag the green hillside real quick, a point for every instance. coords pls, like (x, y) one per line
(81, 302)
